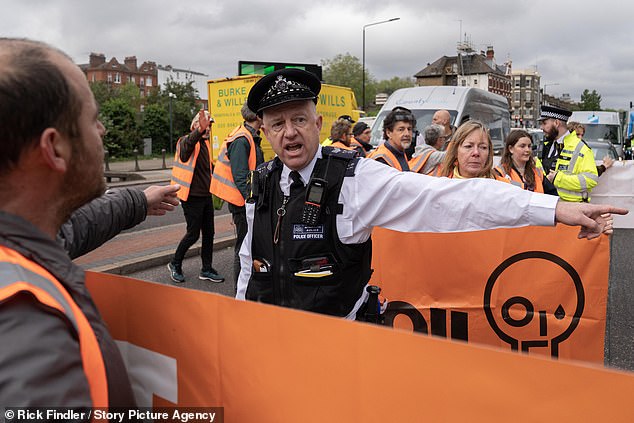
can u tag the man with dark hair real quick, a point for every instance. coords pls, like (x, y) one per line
(240, 153)
(313, 208)
(427, 158)
(361, 134)
(56, 349)
(398, 128)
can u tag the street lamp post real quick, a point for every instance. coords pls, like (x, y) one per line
(544, 89)
(171, 96)
(363, 65)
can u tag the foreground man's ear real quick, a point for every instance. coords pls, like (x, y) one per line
(55, 149)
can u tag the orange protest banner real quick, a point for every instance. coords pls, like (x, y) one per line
(269, 364)
(534, 289)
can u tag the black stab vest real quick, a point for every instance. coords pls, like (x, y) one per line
(300, 245)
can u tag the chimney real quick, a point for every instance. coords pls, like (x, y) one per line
(490, 53)
(97, 59)
(130, 62)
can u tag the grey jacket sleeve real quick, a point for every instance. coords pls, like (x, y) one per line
(100, 220)
(40, 361)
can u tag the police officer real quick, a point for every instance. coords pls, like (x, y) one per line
(312, 208)
(567, 160)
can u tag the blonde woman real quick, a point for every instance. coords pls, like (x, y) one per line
(470, 153)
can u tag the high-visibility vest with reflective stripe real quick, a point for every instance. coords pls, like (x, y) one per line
(382, 152)
(222, 184)
(576, 170)
(339, 144)
(515, 179)
(183, 172)
(22, 275)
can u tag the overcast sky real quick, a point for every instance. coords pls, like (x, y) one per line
(576, 44)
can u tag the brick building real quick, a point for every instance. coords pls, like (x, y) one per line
(113, 72)
(469, 69)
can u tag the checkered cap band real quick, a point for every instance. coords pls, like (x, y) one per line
(554, 115)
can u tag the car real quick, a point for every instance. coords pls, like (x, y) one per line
(600, 149)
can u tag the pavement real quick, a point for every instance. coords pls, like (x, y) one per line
(138, 250)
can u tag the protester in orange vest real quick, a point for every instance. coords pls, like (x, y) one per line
(192, 170)
(427, 157)
(340, 134)
(518, 164)
(470, 153)
(397, 131)
(361, 134)
(240, 153)
(57, 351)
(343, 118)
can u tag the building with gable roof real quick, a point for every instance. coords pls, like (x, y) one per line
(469, 69)
(114, 72)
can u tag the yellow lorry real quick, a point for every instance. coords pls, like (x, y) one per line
(227, 95)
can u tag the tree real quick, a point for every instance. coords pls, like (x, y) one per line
(590, 100)
(388, 86)
(184, 106)
(122, 135)
(156, 126)
(346, 70)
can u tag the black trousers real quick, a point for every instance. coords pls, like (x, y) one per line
(239, 216)
(199, 215)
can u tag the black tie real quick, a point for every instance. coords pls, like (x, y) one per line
(297, 186)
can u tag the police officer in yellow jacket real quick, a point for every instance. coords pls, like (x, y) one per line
(567, 159)
(240, 153)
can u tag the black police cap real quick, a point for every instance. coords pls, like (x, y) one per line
(554, 112)
(283, 86)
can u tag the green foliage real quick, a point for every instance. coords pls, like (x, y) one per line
(346, 70)
(183, 108)
(590, 100)
(388, 86)
(156, 126)
(102, 92)
(120, 119)
(126, 125)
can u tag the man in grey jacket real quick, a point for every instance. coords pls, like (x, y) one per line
(427, 157)
(56, 348)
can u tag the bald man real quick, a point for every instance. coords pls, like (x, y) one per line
(443, 118)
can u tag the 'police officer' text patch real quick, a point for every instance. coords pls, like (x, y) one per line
(308, 232)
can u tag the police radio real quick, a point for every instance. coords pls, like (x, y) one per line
(315, 194)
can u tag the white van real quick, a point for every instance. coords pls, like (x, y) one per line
(462, 103)
(601, 126)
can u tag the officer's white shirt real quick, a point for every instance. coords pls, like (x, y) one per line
(379, 195)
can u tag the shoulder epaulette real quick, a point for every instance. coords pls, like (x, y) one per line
(339, 153)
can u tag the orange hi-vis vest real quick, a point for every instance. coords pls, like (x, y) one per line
(341, 145)
(183, 173)
(382, 152)
(418, 163)
(516, 179)
(22, 275)
(222, 184)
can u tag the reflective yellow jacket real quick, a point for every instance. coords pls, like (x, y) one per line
(576, 170)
